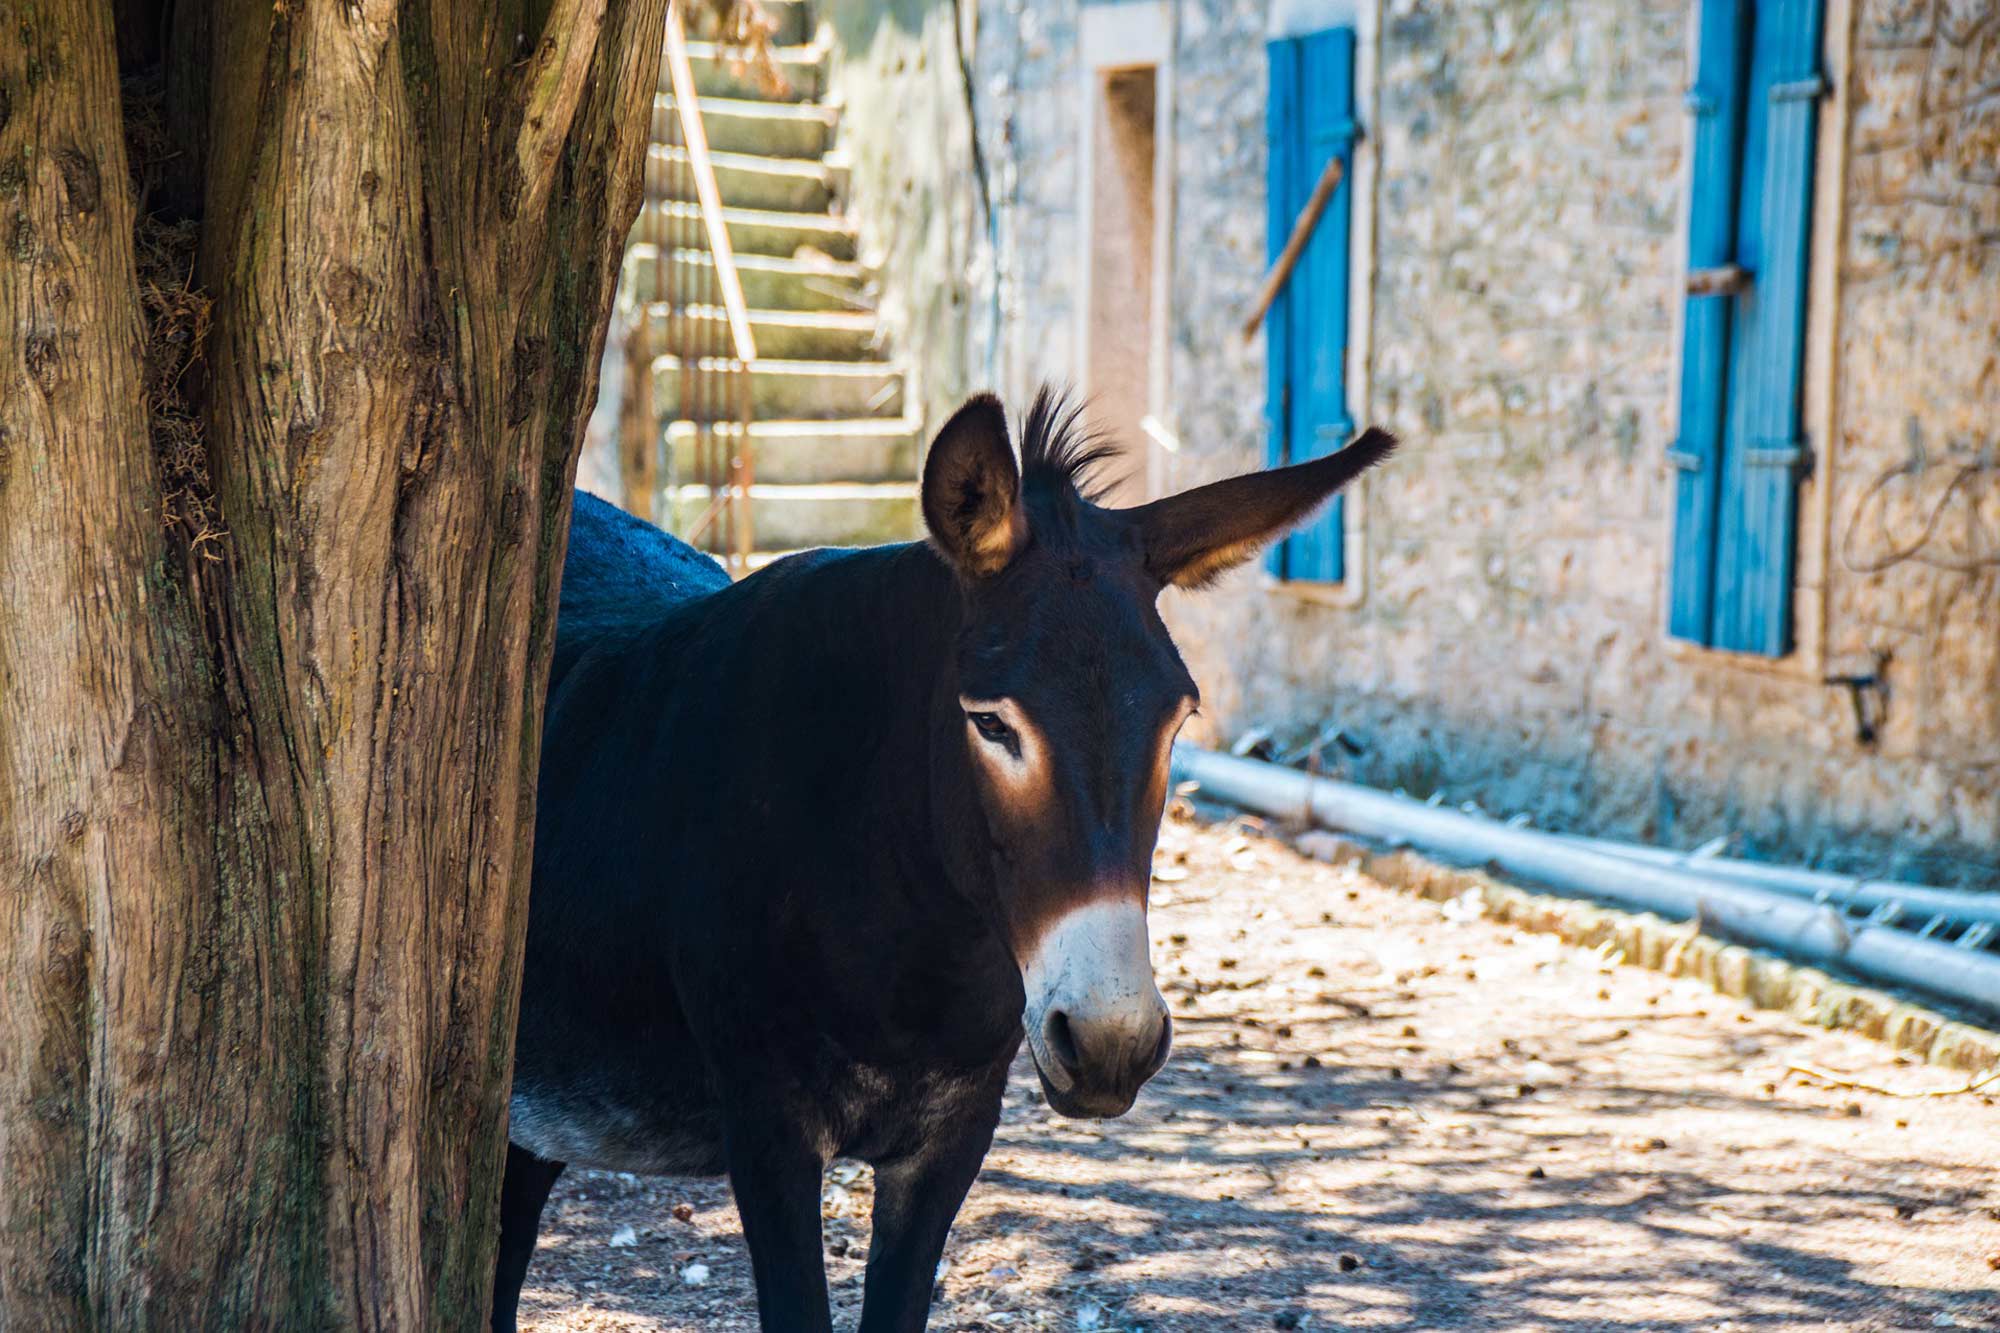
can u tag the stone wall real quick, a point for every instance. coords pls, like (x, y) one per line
(1509, 647)
(1918, 395)
(906, 132)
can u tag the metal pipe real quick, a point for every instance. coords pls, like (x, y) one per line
(1808, 931)
(1960, 905)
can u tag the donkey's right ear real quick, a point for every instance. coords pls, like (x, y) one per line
(972, 490)
(1192, 537)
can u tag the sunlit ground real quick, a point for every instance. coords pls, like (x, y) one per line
(1381, 1117)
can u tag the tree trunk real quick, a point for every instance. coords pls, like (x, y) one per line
(299, 329)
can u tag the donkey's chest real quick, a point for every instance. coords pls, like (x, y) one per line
(874, 1114)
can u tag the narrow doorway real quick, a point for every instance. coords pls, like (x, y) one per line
(1121, 272)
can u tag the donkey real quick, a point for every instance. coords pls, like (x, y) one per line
(815, 850)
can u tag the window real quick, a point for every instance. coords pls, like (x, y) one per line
(1740, 453)
(1310, 119)
(1124, 125)
(1121, 268)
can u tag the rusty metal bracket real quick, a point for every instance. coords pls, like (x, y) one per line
(1720, 280)
(1861, 690)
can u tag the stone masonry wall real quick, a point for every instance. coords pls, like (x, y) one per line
(906, 132)
(1025, 99)
(1509, 648)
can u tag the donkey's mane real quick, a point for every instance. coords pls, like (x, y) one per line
(1060, 453)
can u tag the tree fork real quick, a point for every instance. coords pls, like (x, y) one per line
(275, 631)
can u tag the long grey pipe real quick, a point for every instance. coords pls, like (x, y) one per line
(1808, 931)
(1921, 901)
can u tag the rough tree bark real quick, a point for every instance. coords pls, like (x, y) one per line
(290, 395)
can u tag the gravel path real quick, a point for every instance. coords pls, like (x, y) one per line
(1383, 1116)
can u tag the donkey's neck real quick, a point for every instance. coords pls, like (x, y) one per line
(876, 839)
(861, 829)
(879, 621)
(841, 652)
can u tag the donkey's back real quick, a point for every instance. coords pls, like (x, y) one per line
(620, 575)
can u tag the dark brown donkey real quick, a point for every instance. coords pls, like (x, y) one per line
(816, 849)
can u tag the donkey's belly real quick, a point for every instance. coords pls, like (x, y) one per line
(610, 1129)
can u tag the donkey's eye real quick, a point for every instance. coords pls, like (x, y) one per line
(991, 727)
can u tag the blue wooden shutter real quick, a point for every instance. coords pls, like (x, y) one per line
(1721, 60)
(1310, 119)
(1281, 114)
(1755, 536)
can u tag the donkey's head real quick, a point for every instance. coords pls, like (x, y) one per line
(1056, 716)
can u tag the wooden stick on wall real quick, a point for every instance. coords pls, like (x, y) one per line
(1288, 258)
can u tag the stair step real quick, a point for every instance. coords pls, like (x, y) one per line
(751, 230)
(769, 282)
(720, 72)
(775, 184)
(810, 390)
(781, 335)
(789, 518)
(739, 125)
(834, 457)
(805, 453)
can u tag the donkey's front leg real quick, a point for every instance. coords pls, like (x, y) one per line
(775, 1174)
(524, 1192)
(916, 1198)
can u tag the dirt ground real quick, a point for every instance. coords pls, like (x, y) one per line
(1383, 1115)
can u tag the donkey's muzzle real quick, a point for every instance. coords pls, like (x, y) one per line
(1105, 1059)
(1097, 1026)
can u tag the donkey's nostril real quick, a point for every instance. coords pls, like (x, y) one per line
(1061, 1041)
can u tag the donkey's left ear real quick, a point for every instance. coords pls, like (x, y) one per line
(1193, 537)
(972, 490)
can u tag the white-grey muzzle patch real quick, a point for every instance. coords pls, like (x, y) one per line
(1092, 970)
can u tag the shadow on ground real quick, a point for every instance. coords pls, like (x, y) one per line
(1379, 1116)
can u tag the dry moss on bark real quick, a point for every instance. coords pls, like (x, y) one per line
(177, 315)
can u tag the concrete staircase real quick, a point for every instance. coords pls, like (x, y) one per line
(835, 458)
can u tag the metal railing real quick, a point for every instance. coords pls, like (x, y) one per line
(702, 322)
